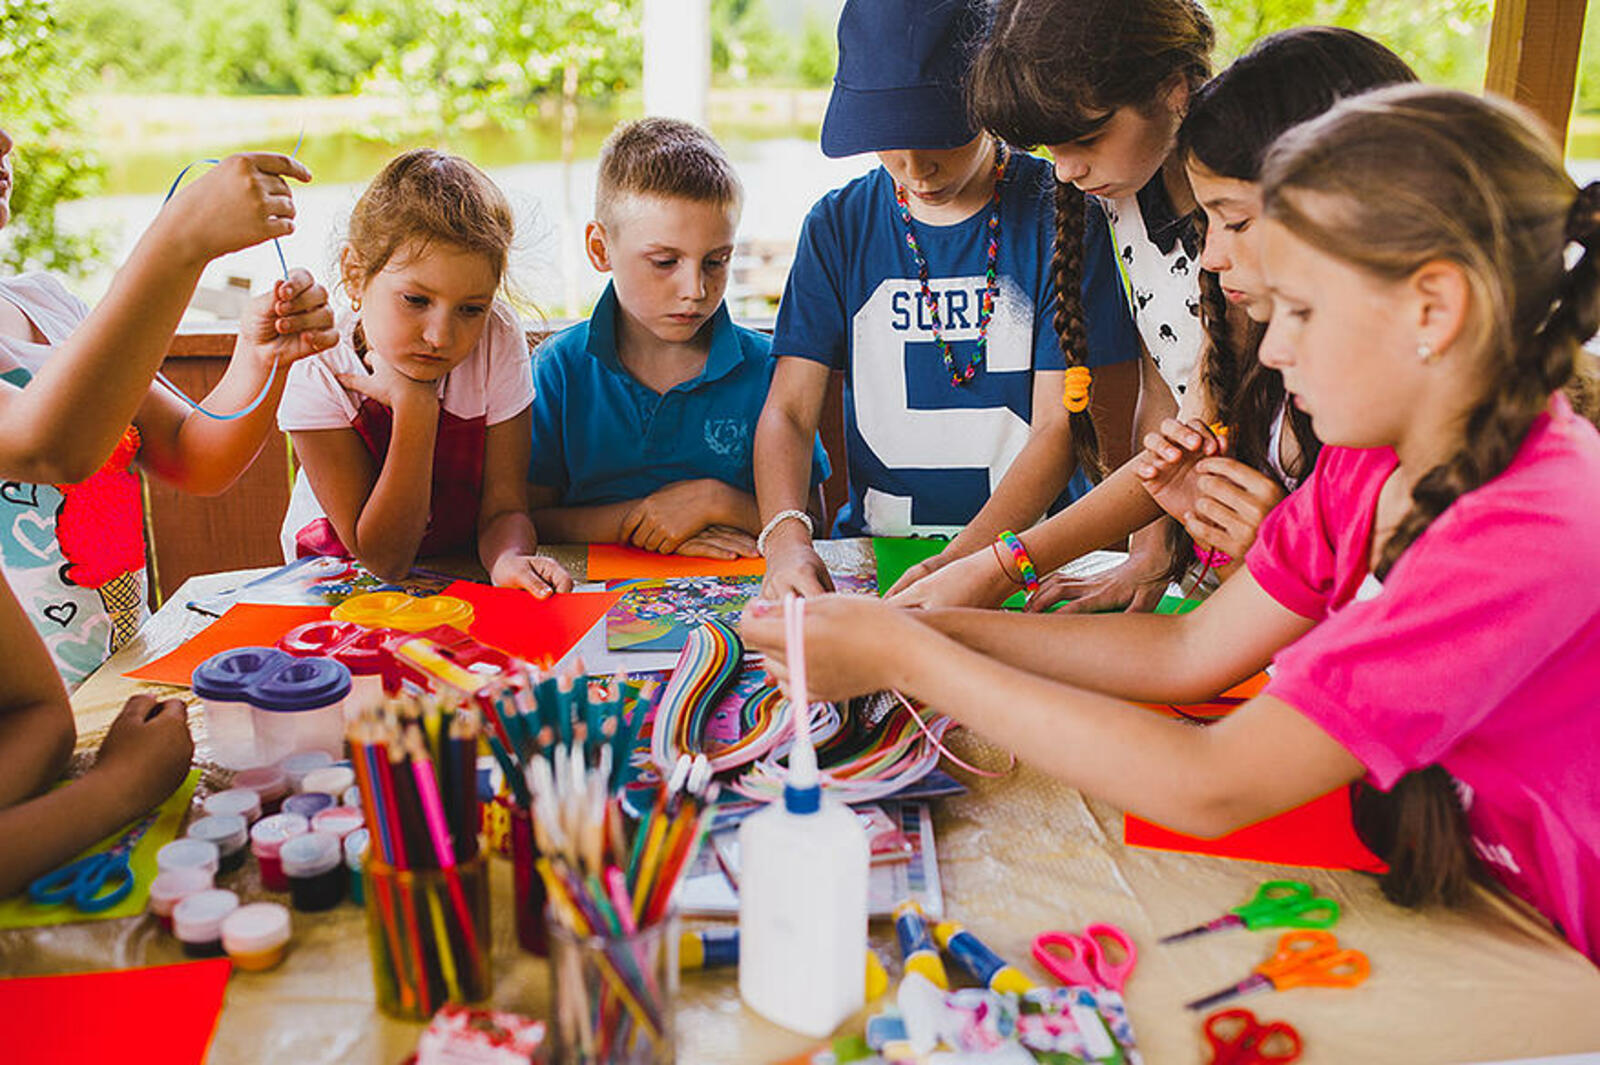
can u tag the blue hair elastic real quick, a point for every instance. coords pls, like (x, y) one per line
(272, 374)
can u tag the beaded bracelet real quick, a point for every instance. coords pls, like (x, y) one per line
(777, 520)
(1211, 558)
(1019, 555)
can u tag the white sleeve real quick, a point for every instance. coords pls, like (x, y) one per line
(313, 398)
(509, 384)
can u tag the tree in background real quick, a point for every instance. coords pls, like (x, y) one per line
(52, 165)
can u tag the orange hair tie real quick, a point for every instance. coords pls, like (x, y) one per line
(1075, 389)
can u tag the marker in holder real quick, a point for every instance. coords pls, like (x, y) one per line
(527, 886)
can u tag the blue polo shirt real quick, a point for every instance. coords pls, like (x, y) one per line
(600, 436)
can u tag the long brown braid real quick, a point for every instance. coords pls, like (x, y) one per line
(1390, 181)
(1066, 274)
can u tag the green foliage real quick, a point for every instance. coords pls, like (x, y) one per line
(52, 164)
(819, 52)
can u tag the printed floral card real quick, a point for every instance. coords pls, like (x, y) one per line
(657, 614)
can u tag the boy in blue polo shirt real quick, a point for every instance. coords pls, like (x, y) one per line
(928, 283)
(644, 414)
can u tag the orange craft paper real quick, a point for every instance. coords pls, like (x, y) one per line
(539, 630)
(241, 625)
(158, 1016)
(616, 561)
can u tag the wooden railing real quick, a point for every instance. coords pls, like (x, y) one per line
(239, 528)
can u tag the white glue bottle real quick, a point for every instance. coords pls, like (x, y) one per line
(802, 886)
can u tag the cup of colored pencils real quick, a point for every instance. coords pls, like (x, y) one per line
(610, 883)
(426, 888)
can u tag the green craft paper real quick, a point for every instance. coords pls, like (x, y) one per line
(895, 556)
(19, 912)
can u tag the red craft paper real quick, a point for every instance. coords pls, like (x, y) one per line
(617, 561)
(158, 1016)
(1317, 835)
(539, 630)
(241, 625)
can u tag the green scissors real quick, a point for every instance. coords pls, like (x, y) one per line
(1277, 904)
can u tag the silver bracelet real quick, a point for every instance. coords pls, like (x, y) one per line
(778, 519)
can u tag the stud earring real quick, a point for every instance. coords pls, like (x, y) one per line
(1425, 352)
(355, 304)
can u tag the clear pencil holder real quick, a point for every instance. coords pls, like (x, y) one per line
(614, 995)
(428, 931)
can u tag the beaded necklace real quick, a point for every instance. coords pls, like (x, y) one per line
(991, 288)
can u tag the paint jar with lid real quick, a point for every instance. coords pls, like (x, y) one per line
(189, 854)
(229, 832)
(297, 765)
(338, 820)
(172, 887)
(242, 802)
(314, 864)
(267, 838)
(355, 858)
(332, 780)
(351, 797)
(197, 921)
(256, 935)
(223, 683)
(308, 804)
(300, 707)
(269, 782)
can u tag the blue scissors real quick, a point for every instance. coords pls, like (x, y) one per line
(97, 881)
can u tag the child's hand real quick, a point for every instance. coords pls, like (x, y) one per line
(288, 323)
(147, 750)
(1167, 465)
(666, 518)
(975, 580)
(846, 637)
(719, 541)
(243, 200)
(925, 568)
(1134, 586)
(794, 568)
(389, 386)
(532, 573)
(1233, 499)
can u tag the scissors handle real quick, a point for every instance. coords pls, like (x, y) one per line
(1288, 904)
(106, 884)
(1065, 956)
(1114, 965)
(1314, 959)
(1238, 1038)
(57, 886)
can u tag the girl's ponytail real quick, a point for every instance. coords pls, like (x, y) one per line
(1066, 273)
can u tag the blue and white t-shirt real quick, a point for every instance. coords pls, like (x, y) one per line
(924, 455)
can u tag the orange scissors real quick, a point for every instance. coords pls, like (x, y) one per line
(1237, 1038)
(1304, 959)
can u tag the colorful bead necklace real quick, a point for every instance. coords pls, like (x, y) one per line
(960, 376)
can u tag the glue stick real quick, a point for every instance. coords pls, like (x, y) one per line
(802, 886)
(970, 953)
(917, 948)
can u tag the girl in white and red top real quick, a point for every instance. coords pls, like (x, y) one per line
(413, 432)
(1427, 596)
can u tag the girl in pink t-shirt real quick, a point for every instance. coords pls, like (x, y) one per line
(413, 432)
(1428, 596)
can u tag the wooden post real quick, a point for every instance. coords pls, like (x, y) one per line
(1533, 56)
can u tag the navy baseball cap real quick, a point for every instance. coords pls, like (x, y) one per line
(902, 69)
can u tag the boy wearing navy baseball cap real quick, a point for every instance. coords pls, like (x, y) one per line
(928, 283)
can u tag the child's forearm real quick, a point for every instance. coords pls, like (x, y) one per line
(1036, 478)
(510, 532)
(782, 472)
(201, 455)
(599, 524)
(105, 366)
(391, 524)
(1114, 509)
(44, 832)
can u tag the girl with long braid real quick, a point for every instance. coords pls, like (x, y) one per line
(1427, 595)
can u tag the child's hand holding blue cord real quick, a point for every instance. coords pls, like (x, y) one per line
(288, 323)
(242, 201)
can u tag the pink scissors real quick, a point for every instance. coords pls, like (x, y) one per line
(1100, 959)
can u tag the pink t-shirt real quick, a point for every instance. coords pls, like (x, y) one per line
(1480, 652)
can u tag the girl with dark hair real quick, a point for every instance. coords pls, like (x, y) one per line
(1414, 245)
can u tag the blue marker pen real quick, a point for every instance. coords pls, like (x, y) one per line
(917, 949)
(984, 964)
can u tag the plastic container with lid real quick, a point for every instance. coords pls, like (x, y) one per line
(355, 856)
(269, 782)
(241, 801)
(197, 921)
(330, 780)
(189, 854)
(308, 804)
(397, 610)
(359, 649)
(297, 765)
(337, 820)
(229, 832)
(300, 707)
(222, 682)
(255, 935)
(267, 838)
(172, 887)
(314, 864)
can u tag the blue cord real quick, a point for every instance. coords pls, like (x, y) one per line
(272, 375)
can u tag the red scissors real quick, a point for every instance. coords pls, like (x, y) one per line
(1237, 1038)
